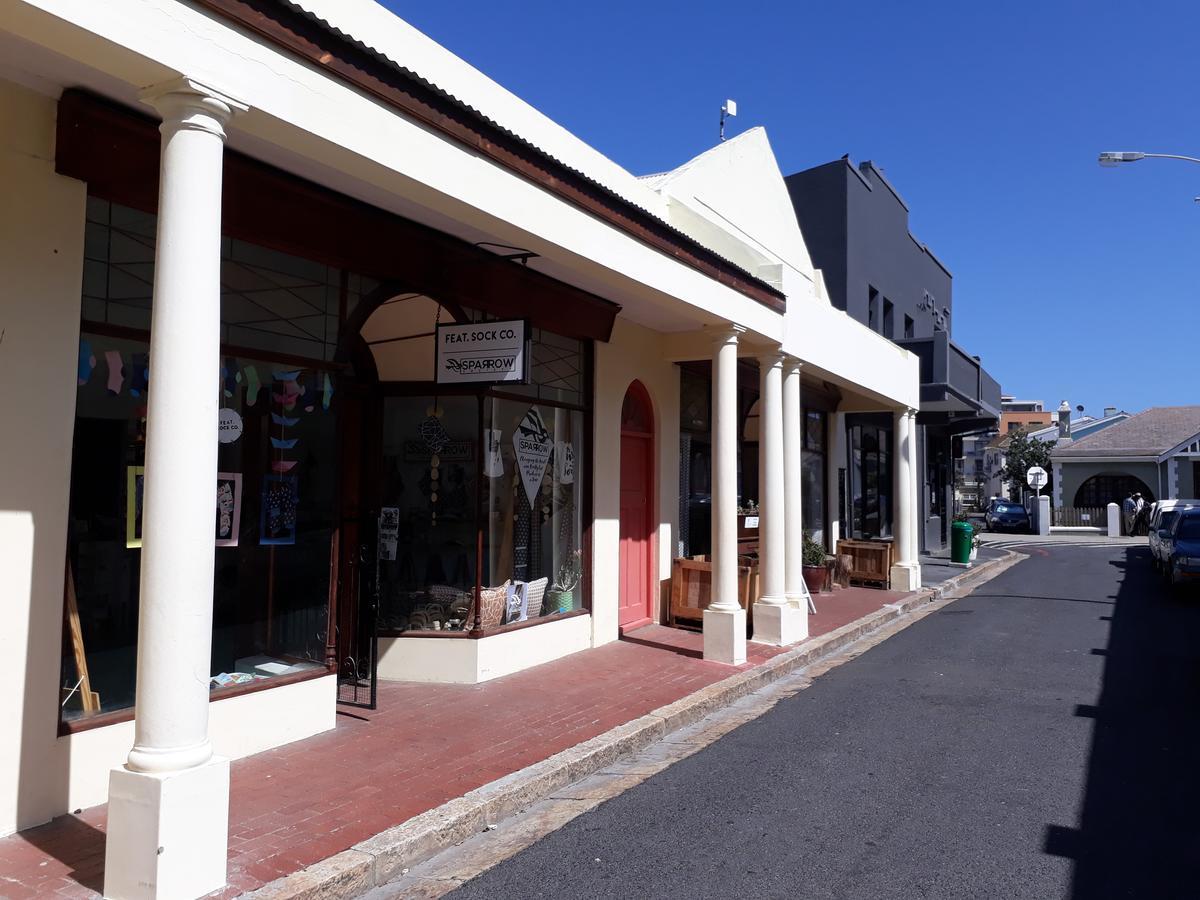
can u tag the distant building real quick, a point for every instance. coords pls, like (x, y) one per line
(1155, 453)
(855, 226)
(981, 466)
(1023, 414)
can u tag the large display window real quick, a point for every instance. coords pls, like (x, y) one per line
(482, 492)
(869, 447)
(278, 460)
(812, 493)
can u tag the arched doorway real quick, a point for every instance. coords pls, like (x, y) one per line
(636, 579)
(1111, 487)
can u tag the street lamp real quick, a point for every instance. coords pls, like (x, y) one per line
(1115, 158)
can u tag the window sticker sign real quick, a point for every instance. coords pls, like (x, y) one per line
(533, 445)
(487, 352)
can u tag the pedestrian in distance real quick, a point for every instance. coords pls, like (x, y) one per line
(1128, 512)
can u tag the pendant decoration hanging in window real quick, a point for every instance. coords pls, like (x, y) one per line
(433, 433)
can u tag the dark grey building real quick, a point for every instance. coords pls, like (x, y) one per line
(856, 227)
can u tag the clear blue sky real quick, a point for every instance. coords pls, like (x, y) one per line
(1071, 281)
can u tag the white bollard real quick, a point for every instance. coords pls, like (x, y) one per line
(1114, 520)
(1043, 515)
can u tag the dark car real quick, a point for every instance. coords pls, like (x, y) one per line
(1181, 549)
(1003, 515)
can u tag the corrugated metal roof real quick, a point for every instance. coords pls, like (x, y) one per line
(591, 178)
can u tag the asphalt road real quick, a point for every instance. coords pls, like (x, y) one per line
(1036, 739)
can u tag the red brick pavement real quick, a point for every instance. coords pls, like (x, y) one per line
(426, 744)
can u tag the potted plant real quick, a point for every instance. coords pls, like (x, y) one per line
(812, 564)
(560, 597)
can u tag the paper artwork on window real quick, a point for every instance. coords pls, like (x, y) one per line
(116, 372)
(493, 461)
(229, 508)
(139, 378)
(389, 532)
(87, 362)
(252, 385)
(280, 496)
(326, 392)
(564, 462)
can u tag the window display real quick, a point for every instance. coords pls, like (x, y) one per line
(275, 490)
(516, 512)
(429, 505)
(813, 475)
(870, 480)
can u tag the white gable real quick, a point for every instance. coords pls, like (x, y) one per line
(734, 200)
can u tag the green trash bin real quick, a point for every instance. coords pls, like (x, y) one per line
(962, 536)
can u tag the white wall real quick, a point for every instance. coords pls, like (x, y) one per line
(238, 726)
(634, 353)
(466, 661)
(41, 256)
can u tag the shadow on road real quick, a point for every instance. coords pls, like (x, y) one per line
(1139, 825)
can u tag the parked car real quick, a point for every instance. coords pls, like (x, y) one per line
(1181, 549)
(1004, 515)
(1162, 517)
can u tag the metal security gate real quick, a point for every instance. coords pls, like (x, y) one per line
(358, 638)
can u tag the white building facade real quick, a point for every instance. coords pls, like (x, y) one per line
(233, 244)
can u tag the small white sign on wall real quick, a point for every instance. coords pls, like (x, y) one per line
(483, 352)
(229, 425)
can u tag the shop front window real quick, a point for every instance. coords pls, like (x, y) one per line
(429, 501)
(870, 480)
(482, 493)
(533, 535)
(277, 481)
(813, 474)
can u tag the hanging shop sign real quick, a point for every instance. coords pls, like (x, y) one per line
(487, 352)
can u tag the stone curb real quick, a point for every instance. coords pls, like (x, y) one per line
(384, 857)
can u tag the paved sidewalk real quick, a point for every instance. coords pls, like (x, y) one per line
(937, 569)
(425, 745)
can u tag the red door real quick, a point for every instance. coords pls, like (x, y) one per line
(637, 509)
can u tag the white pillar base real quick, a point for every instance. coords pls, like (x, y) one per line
(779, 624)
(725, 636)
(1043, 516)
(167, 832)
(1114, 520)
(906, 577)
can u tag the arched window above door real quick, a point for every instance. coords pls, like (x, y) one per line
(636, 414)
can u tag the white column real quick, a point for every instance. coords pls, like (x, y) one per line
(906, 572)
(168, 807)
(776, 621)
(793, 481)
(725, 619)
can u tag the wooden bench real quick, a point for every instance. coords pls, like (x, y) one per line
(691, 589)
(870, 561)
